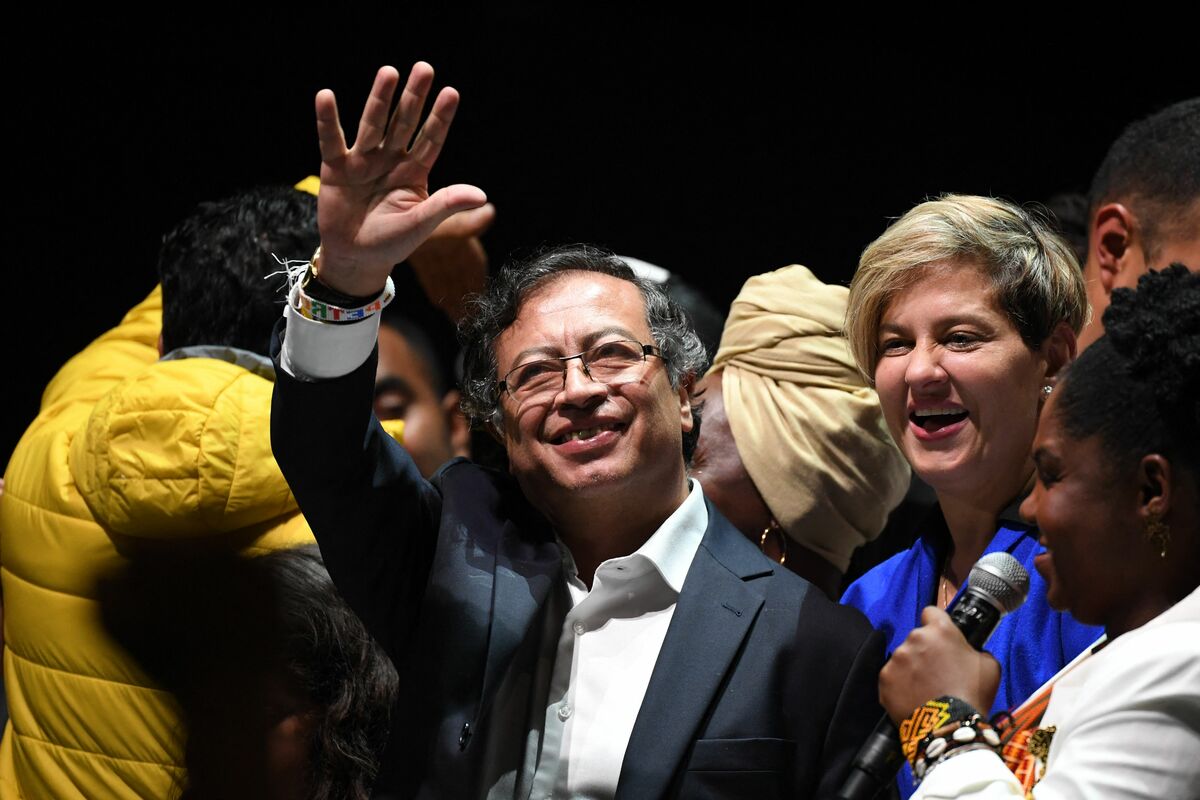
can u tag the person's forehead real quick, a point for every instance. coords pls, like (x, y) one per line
(570, 307)
(576, 288)
(955, 286)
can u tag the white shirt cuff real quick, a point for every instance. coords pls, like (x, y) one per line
(979, 775)
(316, 351)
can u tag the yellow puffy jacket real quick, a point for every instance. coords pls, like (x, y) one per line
(125, 448)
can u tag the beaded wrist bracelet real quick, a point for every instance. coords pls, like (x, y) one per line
(943, 727)
(314, 300)
(327, 312)
(960, 736)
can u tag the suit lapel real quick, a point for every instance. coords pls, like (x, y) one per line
(716, 610)
(526, 570)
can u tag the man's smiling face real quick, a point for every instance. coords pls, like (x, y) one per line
(589, 439)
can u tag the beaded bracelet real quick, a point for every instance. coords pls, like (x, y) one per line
(325, 304)
(927, 718)
(960, 736)
(327, 312)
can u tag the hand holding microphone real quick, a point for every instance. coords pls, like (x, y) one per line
(940, 658)
(936, 660)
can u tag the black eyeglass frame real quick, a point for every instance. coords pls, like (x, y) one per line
(647, 350)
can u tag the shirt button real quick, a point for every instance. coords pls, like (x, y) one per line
(565, 711)
(579, 628)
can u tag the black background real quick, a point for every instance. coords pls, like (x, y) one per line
(718, 148)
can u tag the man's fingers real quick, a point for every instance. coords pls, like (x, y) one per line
(446, 202)
(373, 123)
(467, 224)
(433, 133)
(453, 199)
(408, 111)
(329, 128)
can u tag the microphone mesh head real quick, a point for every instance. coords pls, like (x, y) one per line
(1002, 577)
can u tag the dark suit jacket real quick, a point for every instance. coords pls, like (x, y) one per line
(763, 687)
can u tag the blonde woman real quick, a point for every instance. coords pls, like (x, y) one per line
(961, 314)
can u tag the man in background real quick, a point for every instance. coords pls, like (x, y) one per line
(153, 439)
(1144, 206)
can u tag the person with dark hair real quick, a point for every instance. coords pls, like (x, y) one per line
(1144, 206)
(588, 625)
(413, 385)
(216, 267)
(341, 683)
(134, 452)
(1117, 501)
(495, 311)
(283, 693)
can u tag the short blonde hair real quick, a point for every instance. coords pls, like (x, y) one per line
(1036, 279)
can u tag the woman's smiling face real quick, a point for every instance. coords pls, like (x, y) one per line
(958, 386)
(1085, 505)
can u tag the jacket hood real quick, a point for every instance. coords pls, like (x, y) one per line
(182, 448)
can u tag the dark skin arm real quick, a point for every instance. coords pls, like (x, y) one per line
(452, 265)
(935, 660)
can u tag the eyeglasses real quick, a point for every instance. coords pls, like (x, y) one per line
(611, 362)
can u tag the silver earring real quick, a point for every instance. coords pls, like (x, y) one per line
(1046, 390)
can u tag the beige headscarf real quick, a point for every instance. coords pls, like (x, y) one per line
(807, 427)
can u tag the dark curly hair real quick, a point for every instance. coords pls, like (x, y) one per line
(214, 267)
(339, 669)
(243, 643)
(496, 309)
(1138, 386)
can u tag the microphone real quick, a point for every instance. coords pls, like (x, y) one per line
(997, 585)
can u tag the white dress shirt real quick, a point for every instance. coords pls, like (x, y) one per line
(604, 652)
(596, 649)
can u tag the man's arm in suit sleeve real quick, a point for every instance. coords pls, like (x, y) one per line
(374, 516)
(855, 715)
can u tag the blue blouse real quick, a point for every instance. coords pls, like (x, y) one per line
(1032, 643)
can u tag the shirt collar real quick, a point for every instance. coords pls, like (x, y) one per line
(673, 546)
(670, 550)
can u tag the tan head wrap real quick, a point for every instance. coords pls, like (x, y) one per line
(807, 427)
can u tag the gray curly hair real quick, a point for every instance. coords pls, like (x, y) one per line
(496, 309)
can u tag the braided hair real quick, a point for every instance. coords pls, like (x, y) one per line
(1138, 386)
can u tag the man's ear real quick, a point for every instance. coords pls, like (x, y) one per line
(685, 403)
(457, 427)
(1059, 348)
(1113, 239)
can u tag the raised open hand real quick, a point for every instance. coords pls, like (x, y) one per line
(374, 206)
